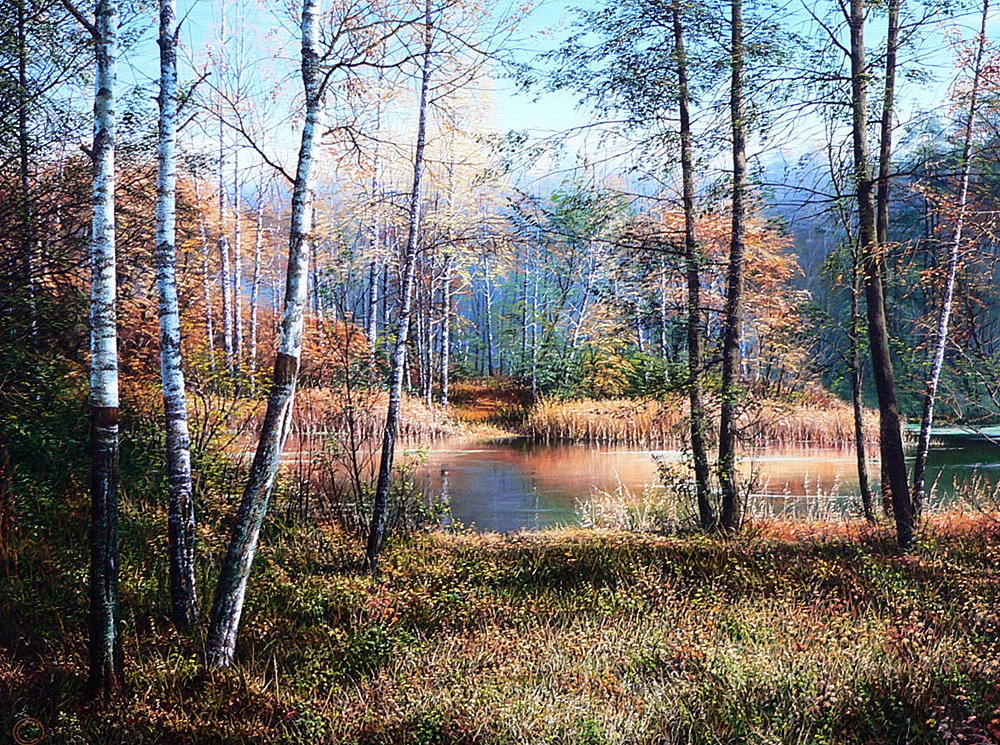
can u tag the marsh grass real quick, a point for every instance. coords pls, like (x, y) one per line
(818, 421)
(797, 632)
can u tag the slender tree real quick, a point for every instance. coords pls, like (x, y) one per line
(28, 232)
(446, 311)
(885, 127)
(856, 404)
(692, 259)
(106, 673)
(732, 324)
(891, 438)
(206, 281)
(954, 249)
(235, 572)
(226, 263)
(237, 277)
(181, 522)
(376, 528)
(258, 245)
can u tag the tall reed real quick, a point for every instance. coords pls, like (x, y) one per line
(820, 421)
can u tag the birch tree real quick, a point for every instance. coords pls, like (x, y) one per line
(235, 572)
(954, 250)
(376, 529)
(106, 669)
(181, 521)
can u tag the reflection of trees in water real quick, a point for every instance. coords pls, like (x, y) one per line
(507, 486)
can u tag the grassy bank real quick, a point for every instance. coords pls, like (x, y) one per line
(795, 633)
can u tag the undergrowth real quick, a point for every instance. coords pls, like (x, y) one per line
(794, 633)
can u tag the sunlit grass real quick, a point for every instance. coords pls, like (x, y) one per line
(820, 421)
(794, 633)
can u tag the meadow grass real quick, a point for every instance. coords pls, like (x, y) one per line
(793, 633)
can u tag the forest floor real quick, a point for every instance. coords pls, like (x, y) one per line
(791, 633)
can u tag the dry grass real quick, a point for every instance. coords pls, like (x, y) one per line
(496, 402)
(795, 633)
(330, 411)
(821, 421)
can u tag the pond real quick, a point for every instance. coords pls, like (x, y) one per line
(510, 484)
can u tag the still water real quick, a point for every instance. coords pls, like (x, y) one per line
(507, 485)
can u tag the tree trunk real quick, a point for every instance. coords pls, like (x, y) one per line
(428, 334)
(258, 246)
(223, 243)
(662, 305)
(237, 279)
(376, 530)
(106, 666)
(885, 138)
(28, 235)
(489, 316)
(891, 440)
(180, 501)
(235, 571)
(954, 248)
(445, 360)
(206, 282)
(860, 446)
(731, 507)
(373, 301)
(534, 328)
(692, 257)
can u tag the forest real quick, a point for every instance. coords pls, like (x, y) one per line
(451, 371)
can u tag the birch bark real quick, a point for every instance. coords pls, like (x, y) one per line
(206, 281)
(376, 529)
(180, 502)
(106, 667)
(445, 360)
(954, 249)
(258, 246)
(235, 572)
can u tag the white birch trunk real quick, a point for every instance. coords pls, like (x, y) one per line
(373, 279)
(105, 639)
(258, 245)
(376, 529)
(237, 279)
(180, 501)
(235, 572)
(954, 249)
(446, 331)
(489, 315)
(206, 281)
(223, 243)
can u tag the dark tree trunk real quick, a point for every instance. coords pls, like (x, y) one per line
(731, 506)
(692, 257)
(891, 439)
(859, 429)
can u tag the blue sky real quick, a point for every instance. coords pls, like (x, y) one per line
(273, 36)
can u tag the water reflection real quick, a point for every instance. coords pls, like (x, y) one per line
(513, 484)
